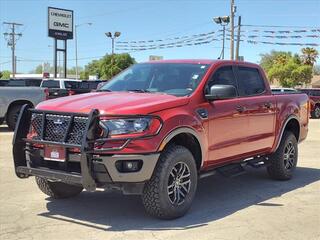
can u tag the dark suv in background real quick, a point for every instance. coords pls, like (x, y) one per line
(314, 95)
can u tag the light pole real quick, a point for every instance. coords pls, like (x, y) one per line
(115, 35)
(76, 43)
(223, 21)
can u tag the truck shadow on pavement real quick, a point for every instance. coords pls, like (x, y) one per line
(216, 198)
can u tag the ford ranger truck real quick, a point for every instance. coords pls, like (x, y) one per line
(158, 127)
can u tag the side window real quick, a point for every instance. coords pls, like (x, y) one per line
(250, 81)
(316, 93)
(222, 76)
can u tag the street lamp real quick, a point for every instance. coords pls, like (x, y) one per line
(115, 35)
(76, 43)
(223, 21)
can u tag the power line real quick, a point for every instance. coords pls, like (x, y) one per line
(275, 26)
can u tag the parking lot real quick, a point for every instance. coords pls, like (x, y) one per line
(250, 206)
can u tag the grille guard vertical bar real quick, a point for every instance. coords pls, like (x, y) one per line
(20, 132)
(87, 146)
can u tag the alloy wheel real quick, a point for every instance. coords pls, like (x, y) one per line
(289, 156)
(179, 183)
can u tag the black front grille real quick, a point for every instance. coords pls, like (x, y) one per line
(58, 128)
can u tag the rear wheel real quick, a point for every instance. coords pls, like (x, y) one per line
(284, 161)
(316, 112)
(58, 189)
(171, 189)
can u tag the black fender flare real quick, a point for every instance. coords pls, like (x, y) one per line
(289, 118)
(188, 130)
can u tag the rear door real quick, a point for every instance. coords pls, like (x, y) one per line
(261, 108)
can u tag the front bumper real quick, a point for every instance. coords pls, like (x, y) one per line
(88, 168)
(103, 171)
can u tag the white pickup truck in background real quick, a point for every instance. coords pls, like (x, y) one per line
(13, 98)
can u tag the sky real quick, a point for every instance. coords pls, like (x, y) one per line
(149, 20)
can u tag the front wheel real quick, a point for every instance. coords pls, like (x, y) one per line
(12, 116)
(284, 161)
(58, 189)
(171, 189)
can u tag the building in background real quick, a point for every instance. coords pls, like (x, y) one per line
(155, 58)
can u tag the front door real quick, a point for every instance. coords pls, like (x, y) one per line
(228, 121)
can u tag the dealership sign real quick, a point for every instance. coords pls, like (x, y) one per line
(60, 23)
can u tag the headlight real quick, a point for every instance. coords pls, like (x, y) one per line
(125, 126)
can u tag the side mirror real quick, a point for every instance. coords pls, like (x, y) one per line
(221, 92)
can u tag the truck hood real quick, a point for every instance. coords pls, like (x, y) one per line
(114, 103)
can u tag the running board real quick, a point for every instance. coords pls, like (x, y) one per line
(231, 170)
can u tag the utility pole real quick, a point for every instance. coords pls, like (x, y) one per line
(232, 12)
(238, 38)
(12, 42)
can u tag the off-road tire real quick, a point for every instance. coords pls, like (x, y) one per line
(277, 168)
(12, 116)
(316, 112)
(155, 195)
(58, 189)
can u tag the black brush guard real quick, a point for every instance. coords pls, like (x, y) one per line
(21, 144)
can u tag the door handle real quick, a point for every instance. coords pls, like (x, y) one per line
(240, 109)
(267, 105)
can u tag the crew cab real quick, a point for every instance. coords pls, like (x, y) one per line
(158, 127)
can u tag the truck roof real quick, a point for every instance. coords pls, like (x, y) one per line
(201, 61)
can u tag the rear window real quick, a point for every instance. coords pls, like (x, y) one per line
(16, 83)
(250, 82)
(33, 82)
(71, 84)
(50, 84)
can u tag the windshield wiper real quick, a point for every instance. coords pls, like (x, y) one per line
(104, 90)
(138, 90)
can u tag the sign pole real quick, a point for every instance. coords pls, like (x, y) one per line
(55, 58)
(65, 59)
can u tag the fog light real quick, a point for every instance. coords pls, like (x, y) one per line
(129, 166)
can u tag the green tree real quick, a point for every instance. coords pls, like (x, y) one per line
(290, 74)
(309, 55)
(108, 66)
(268, 60)
(5, 74)
(38, 69)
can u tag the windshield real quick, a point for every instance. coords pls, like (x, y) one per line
(178, 79)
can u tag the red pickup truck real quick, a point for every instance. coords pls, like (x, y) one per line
(156, 128)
